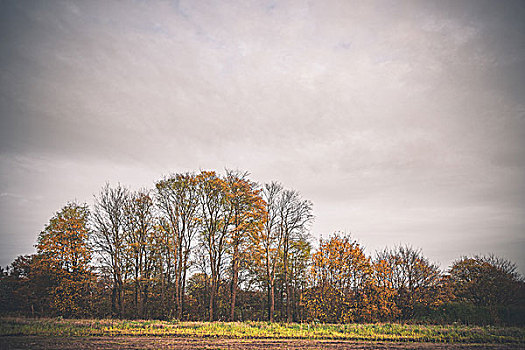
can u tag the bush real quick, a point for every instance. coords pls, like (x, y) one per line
(470, 314)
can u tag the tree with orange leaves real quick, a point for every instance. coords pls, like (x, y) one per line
(382, 293)
(247, 217)
(64, 255)
(340, 274)
(214, 223)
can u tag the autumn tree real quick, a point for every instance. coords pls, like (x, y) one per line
(485, 281)
(247, 214)
(178, 202)
(381, 290)
(63, 250)
(299, 265)
(340, 273)
(414, 278)
(141, 245)
(208, 246)
(109, 238)
(266, 245)
(215, 217)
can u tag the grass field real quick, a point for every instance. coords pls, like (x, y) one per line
(56, 327)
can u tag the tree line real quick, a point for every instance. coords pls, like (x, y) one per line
(206, 246)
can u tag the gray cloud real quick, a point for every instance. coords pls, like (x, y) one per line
(401, 122)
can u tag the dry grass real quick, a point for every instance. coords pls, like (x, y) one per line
(390, 332)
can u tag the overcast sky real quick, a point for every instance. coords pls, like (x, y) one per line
(403, 122)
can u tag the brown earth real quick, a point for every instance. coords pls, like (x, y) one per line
(113, 343)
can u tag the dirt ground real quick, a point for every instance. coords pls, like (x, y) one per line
(113, 343)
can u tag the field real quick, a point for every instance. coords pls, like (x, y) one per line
(20, 333)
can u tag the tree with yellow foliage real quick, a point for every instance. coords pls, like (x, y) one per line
(340, 275)
(178, 203)
(247, 217)
(64, 255)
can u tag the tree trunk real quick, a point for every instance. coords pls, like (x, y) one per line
(286, 282)
(183, 287)
(179, 279)
(144, 301)
(114, 311)
(268, 297)
(137, 289)
(119, 299)
(294, 305)
(235, 278)
(272, 301)
(212, 299)
(288, 302)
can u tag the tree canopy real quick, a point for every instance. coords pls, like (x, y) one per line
(207, 246)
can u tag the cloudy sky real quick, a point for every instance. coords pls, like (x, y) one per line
(403, 122)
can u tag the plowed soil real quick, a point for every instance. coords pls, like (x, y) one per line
(113, 343)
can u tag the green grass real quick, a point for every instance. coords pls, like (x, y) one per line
(251, 330)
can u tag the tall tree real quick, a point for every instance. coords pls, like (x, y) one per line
(215, 217)
(63, 251)
(295, 214)
(266, 244)
(299, 264)
(178, 201)
(109, 221)
(247, 216)
(141, 245)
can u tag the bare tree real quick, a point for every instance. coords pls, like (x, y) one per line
(109, 237)
(141, 245)
(413, 276)
(295, 214)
